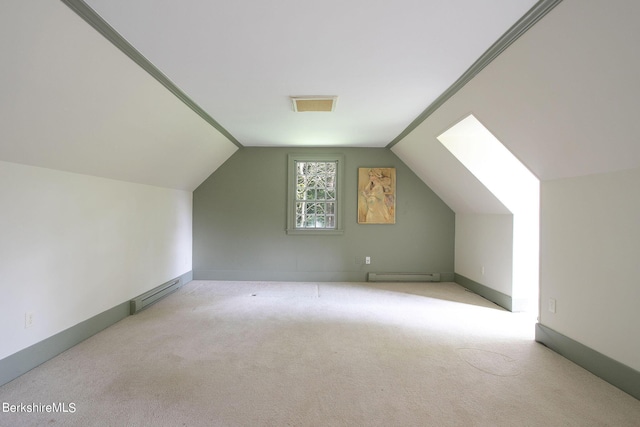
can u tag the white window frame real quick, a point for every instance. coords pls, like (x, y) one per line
(291, 193)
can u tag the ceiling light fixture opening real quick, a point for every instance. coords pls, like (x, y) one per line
(303, 104)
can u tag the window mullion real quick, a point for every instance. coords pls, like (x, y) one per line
(314, 195)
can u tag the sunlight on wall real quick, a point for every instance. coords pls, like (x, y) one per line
(516, 187)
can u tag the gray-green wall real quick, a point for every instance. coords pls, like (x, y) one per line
(239, 221)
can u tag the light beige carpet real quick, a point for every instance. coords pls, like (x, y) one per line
(318, 354)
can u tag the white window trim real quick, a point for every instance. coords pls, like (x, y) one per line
(291, 206)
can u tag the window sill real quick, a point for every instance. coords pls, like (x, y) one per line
(298, 231)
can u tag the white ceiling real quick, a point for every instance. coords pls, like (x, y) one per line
(241, 60)
(71, 101)
(563, 99)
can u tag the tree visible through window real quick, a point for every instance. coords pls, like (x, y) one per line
(315, 192)
(315, 204)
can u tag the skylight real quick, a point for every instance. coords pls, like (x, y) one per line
(514, 185)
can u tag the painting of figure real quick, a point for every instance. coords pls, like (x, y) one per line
(376, 195)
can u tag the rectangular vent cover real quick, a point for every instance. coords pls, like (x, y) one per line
(303, 104)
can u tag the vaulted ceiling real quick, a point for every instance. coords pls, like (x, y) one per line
(242, 60)
(218, 76)
(562, 98)
(74, 101)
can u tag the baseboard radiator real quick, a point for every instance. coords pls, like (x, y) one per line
(404, 277)
(154, 295)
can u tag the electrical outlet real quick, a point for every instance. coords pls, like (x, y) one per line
(29, 319)
(482, 270)
(367, 260)
(552, 305)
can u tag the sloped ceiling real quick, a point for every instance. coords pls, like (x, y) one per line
(72, 101)
(242, 60)
(563, 99)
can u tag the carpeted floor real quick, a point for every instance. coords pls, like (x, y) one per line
(318, 354)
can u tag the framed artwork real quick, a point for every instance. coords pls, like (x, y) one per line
(376, 195)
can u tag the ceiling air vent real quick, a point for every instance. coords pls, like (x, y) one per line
(313, 103)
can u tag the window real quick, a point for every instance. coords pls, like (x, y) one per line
(314, 194)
